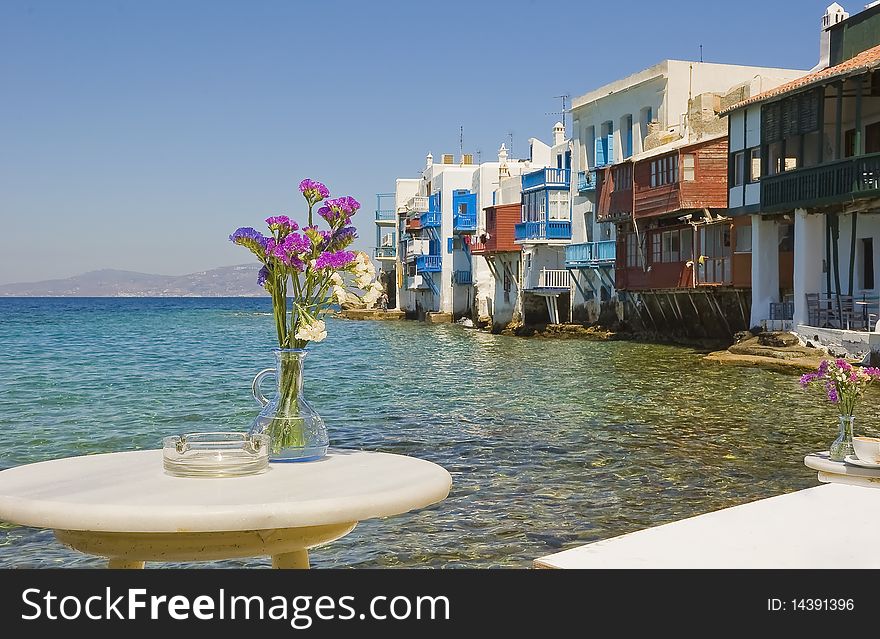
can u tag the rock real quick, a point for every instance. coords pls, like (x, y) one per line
(741, 336)
(778, 339)
(756, 330)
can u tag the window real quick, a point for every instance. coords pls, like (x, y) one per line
(664, 171)
(754, 164)
(633, 255)
(743, 239)
(559, 209)
(656, 251)
(687, 244)
(739, 168)
(387, 240)
(534, 206)
(623, 177)
(671, 246)
(688, 164)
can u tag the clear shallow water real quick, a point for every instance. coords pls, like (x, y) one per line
(551, 443)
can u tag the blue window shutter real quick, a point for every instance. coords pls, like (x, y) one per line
(610, 147)
(449, 244)
(600, 152)
(629, 141)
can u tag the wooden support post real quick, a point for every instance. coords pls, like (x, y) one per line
(857, 142)
(838, 123)
(821, 143)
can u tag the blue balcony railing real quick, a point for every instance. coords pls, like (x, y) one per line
(552, 230)
(465, 221)
(586, 181)
(463, 277)
(385, 252)
(428, 264)
(543, 178)
(590, 254)
(430, 220)
(386, 215)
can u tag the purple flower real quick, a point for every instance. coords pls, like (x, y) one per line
(843, 365)
(831, 391)
(281, 223)
(262, 276)
(823, 367)
(313, 191)
(252, 239)
(341, 208)
(342, 238)
(872, 372)
(808, 379)
(334, 260)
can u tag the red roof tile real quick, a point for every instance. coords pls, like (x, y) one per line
(864, 61)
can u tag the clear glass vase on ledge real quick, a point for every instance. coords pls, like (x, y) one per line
(296, 430)
(843, 445)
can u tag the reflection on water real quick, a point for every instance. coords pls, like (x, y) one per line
(551, 443)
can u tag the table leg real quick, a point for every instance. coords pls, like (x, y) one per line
(125, 564)
(295, 559)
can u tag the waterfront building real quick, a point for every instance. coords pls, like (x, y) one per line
(543, 231)
(437, 216)
(804, 169)
(636, 142)
(385, 250)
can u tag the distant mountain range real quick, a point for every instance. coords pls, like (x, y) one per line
(227, 281)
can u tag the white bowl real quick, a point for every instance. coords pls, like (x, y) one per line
(867, 448)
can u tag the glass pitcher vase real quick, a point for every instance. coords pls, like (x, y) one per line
(296, 430)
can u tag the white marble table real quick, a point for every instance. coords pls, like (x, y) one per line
(123, 506)
(841, 472)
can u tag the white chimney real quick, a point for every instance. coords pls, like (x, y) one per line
(833, 15)
(558, 133)
(429, 160)
(503, 171)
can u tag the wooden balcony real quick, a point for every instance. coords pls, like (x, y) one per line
(822, 185)
(549, 279)
(501, 221)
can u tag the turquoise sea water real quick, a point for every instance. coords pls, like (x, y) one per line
(551, 443)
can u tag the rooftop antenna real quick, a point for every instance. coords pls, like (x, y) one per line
(461, 141)
(479, 157)
(564, 108)
(510, 137)
(701, 53)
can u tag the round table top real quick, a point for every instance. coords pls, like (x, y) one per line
(130, 492)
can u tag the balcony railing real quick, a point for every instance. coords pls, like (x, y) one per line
(546, 177)
(823, 184)
(552, 230)
(554, 278)
(586, 181)
(590, 254)
(386, 215)
(430, 219)
(417, 203)
(714, 270)
(465, 221)
(463, 277)
(384, 252)
(428, 264)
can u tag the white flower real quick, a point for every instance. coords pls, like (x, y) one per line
(336, 279)
(314, 332)
(363, 281)
(340, 293)
(376, 286)
(370, 297)
(363, 265)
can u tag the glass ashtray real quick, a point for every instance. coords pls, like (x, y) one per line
(215, 454)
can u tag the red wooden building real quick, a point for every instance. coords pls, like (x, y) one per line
(498, 236)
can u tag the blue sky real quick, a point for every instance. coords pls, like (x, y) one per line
(138, 135)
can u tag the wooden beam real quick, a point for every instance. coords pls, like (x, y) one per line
(838, 124)
(821, 143)
(857, 145)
